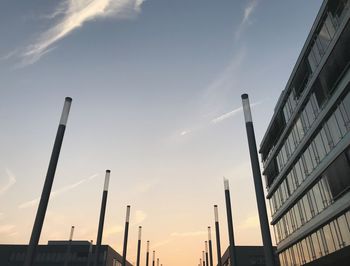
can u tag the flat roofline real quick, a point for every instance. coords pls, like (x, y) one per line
(301, 56)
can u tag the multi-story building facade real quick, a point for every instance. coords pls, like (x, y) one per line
(306, 148)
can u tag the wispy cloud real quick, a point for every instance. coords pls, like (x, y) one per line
(138, 217)
(231, 114)
(248, 11)
(11, 181)
(69, 15)
(219, 119)
(58, 192)
(113, 230)
(249, 222)
(186, 234)
(7, 228)
(145, 185)
(227, 78)
(175, 235)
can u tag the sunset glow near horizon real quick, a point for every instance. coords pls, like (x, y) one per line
(156, 91)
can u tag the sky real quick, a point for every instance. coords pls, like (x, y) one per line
(156, 88)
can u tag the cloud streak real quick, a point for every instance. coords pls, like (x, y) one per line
(58, 192)
(7, 228)
(187, 234)
(175, 235)
(231, 113)
(70, 15)
(11, 181)
(248, 11)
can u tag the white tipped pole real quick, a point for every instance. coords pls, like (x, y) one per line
(102, 217)
(232, 247)
(139, 247)
(67, 257)
(126, 231)
(210, 247)
(147, 254)
(259, 191)
(45, 195)
(217, 229)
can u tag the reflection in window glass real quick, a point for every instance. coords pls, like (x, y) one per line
(329, 238)
(334, 129)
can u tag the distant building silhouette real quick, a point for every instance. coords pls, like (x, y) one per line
(246, 256)
(55, 254)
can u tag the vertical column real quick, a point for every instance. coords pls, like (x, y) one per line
(210, 247)
(126, 232)
(259, 192)
(139, 247)
(147, 254)
(206, 253)
(89, 253)
(232, 247)
(154, 257)
(102, 217)
(67, 257)
(203, 258)
(157, 261)
(217, 228)
(45, 195)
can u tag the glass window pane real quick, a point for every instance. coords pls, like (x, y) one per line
(328, 146)
(312, 61)
(341, 122)
(324, 37)
(336, 236)
(318, 198)
(306, 205)
(320, 149)
(299, 128)
(305, 250)
(316, 53)
(330, 26)
(329, 238)
(299, 172)
(316, 244)
(346, 103)
(334, 129)
(344, 230)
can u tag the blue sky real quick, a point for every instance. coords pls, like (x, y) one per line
(156, 91)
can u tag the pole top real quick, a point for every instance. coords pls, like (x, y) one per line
(226, 184)
(246, 108)
(140, 229)
(216, 213)
(108, 173)
(127, 213)
(65, 111)
(244, 96)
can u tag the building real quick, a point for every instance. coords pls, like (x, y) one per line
(305, 150)
(246, 256)
(58, 253)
